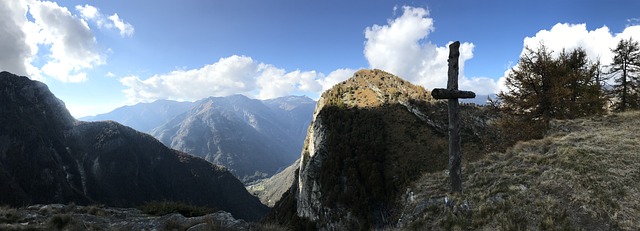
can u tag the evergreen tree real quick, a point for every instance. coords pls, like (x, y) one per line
(580, 92)
(625, 69)
(541, 88)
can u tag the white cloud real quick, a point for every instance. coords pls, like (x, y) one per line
(273, 82)
(227, 76)
(33, 26)
(71, 43)
(335, 77)
(401, 47)
(79, 110)
(125, 28)
(91, 13)
(232, 75)
(597, 43)
(17, 52)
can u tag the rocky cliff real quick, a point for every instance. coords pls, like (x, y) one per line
(46, 156)
(370, 136)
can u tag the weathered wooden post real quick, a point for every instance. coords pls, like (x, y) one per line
(453, 94)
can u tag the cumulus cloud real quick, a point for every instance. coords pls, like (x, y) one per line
(72, 45)
(273, 82)
(227, 76)
(17, 53)
(125, 29)
(402, 47)
(335, 77)
(597, 43)
(42, 32)
(91, 13)
(231, 75)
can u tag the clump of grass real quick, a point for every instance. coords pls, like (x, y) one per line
(272, 227)
(95, 209)
(60, 222)
(159, 208)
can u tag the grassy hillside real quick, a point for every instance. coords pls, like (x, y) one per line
(584, 175)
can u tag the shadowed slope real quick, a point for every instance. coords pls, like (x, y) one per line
(48, 157)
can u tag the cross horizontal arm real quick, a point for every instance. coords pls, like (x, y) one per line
(440, 93)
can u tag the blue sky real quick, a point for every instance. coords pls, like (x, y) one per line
(98, 55)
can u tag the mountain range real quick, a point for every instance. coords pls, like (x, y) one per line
(252, 138)
(46, 156)
(144, 117)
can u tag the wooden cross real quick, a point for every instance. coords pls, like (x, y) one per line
(453, 94)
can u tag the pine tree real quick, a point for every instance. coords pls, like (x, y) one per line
(581, 91)
(541, 88)
(625, 69)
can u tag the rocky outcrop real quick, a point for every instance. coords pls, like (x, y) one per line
(370, 136)
(75, 217)
(46, 156)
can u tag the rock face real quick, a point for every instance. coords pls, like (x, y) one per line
(370, 136)
(46, 156)
(145, 117)
(251, 138)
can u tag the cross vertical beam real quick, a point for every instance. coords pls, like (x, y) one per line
(453, 94)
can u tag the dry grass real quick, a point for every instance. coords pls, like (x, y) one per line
(373, 88)
(585, 175)
(160, 208)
